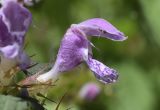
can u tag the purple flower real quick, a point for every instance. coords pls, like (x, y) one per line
(14, 23)
(75, 48)
(89, 91)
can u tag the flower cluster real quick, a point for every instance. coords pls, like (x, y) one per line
(75, 48)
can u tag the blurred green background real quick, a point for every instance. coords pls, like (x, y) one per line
(137, 59)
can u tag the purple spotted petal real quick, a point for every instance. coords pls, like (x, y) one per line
(100, 27)
(18, 17)
(14, 23)
(8, 47)
(5, 38)
(102, 72)
(70, 53)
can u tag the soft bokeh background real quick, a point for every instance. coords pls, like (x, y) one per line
(136, 59)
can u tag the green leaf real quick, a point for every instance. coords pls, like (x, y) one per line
(12, 103)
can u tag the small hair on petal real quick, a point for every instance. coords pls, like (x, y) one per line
(101, 28)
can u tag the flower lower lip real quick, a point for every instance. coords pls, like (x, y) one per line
(107, 79)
